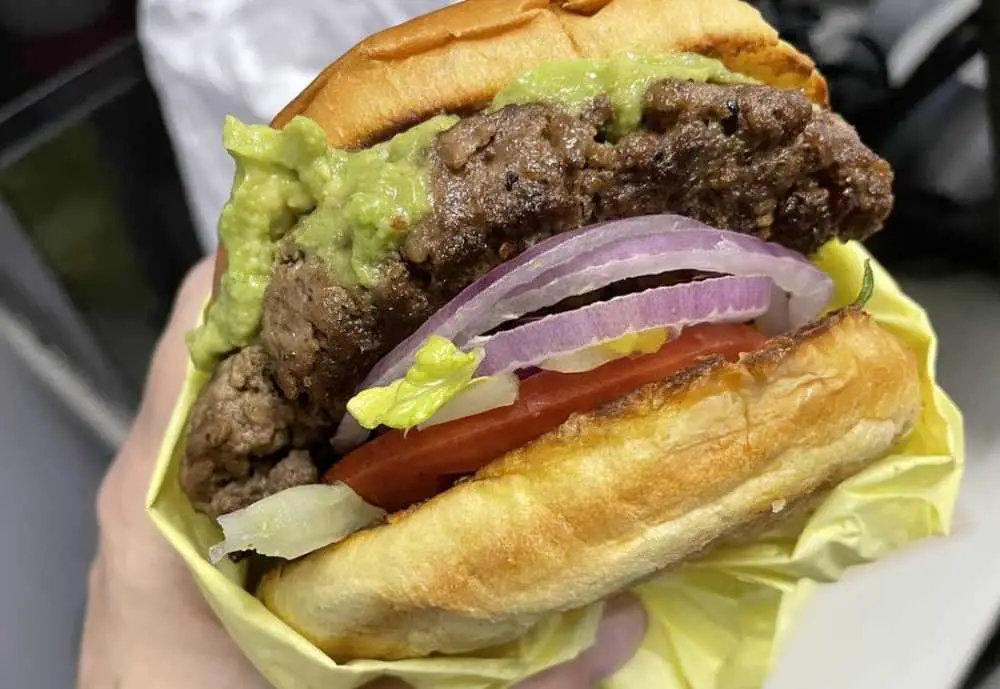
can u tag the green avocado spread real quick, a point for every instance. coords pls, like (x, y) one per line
(369, 202)
(352, 209)
(624, 79)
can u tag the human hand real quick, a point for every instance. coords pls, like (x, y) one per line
(147, 625)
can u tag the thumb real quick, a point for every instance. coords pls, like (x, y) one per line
(618, 638)
(169, 363)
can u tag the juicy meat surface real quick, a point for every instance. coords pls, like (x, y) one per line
(746, 158)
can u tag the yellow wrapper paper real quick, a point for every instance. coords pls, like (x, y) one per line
(714, 624)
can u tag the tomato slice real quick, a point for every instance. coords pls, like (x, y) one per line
(399, 469)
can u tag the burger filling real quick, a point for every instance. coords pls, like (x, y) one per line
(352, 306)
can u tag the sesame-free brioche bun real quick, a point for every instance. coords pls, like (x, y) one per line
(610, 497)
(456, 59)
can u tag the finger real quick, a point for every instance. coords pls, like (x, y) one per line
(618, 638)
(120, 505)
(134, 552)
(169, 363)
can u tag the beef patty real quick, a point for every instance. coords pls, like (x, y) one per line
(746, 158)
(242, 438)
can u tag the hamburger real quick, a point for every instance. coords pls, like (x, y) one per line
(515, 310)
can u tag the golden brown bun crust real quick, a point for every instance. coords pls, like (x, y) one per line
(610, 497)
(458, 58)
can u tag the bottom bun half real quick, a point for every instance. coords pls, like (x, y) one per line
(610, 497)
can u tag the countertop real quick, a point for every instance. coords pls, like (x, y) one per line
(919, 618)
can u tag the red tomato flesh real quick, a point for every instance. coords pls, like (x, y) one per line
(399, 469)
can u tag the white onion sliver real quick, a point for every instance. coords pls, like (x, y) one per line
(716, 300)
(589, 358)
(491, 393)
(586, 359)
(295, 521)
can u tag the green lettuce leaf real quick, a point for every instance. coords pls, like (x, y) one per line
(440, 371)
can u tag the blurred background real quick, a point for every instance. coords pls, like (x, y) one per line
(112, 174)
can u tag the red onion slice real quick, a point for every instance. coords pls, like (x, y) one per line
(717, 300)
(728, 253)
(577, 262)
(584, 260)
(460, 313)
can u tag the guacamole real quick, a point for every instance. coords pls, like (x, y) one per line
(351, 209)
(624, 79)
(369, 203)
(274, 173)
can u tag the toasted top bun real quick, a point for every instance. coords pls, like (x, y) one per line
(610, 497)
(456, 59)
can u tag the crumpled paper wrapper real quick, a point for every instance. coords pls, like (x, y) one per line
(716, 623)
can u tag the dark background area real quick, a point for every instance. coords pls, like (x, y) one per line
(91, 193)
(33, 54)
(91, 197)
(910, 123)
